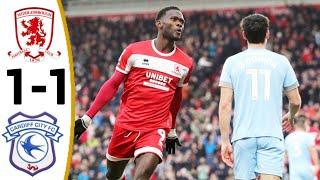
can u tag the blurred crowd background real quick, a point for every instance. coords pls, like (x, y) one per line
(209, 37)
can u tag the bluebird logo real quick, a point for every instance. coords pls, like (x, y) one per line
(32, 141)
(30, 148)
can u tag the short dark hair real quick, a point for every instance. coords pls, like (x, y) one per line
(163, 11)
(299, 121)
(255, 27)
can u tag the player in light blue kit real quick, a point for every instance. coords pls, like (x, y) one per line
(256, 79)
(302, 152)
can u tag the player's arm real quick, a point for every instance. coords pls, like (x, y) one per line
(290, 86)
(225, 107)
(313, 153)
(225, 110)
(294, 102)
(175, 106)
(314, 157)
(107, 91)
(294, 106)
(172, 138)
(105, 94)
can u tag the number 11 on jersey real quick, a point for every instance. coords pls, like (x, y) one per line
(255, 73)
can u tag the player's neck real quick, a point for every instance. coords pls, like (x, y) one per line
(164, 45)
(256, 46)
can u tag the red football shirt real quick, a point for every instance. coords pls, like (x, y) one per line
(152, 78)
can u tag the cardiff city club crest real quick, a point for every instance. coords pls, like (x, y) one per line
(32, 141)
(34, 31)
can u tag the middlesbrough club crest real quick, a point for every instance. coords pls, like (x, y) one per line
(32, 141)
(34, 31)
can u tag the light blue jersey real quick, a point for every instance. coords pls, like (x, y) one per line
(297, 145)
(258, 78)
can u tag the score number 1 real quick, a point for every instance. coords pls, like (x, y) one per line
(17, 84)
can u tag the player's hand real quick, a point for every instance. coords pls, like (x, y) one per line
(287, 123)
(81, 126)
(171, 141)
(227, 154)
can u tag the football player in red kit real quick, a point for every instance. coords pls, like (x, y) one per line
(153, 73)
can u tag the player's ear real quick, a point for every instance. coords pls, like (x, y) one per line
(244, 35)
(267, 34)
(159, 24)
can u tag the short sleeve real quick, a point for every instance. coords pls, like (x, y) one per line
(185, 80)
(290, 80)
(125, 63)
(225, 78)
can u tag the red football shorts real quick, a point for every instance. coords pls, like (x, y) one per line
(125, 144)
